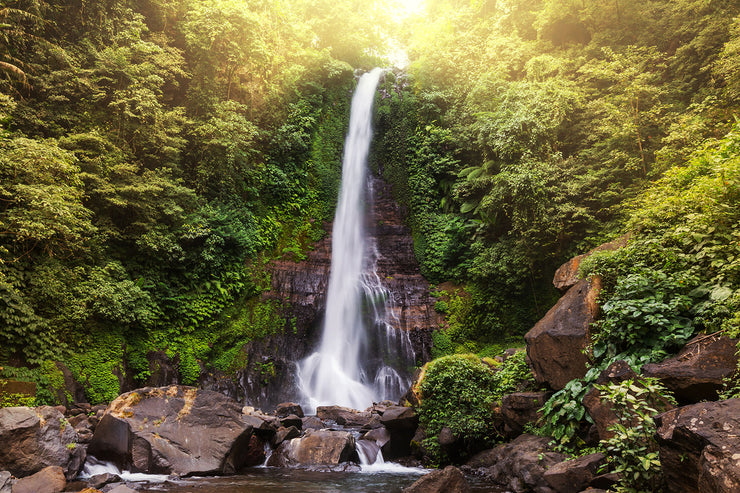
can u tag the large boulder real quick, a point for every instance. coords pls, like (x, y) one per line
(567, 275)
(173, 430)
(48, 480)
(447, 480)
(518, 466)
(35, 438)
(698, 371)
(556, 345)
(316, 448)
(699, 447)
(520, 409)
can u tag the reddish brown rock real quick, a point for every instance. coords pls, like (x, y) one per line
(447, 480)
(556, 344)
(567, 275)
(574, 475)
(699, 447)
(48, 480)
(520, 409)
(698, 371)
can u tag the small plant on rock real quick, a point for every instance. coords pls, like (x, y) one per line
(632, 449)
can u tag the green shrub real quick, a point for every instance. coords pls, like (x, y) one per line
(458, 392)
(632, 450)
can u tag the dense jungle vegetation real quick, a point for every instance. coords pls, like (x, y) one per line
(155, 154)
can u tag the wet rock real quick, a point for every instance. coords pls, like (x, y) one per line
(448, 480)
(100, 480)
(344, 416)
(285, 409)
(48, 480)
(519, 466)
(380, 436)
(173, 430)
(574, 475)
(34, 438)
(263, 425)
(556, 344)
(315, 448)
(601, 412)
(698, 371)
(255, 453)
(401, 423)
(567, 275)
(699, 448)
(520, 409)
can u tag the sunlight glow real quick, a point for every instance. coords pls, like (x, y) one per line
(411, 6)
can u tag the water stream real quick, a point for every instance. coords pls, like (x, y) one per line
(360, 353)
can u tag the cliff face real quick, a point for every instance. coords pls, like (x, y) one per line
(269, 374)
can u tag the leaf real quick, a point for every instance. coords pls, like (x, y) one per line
(720, 293)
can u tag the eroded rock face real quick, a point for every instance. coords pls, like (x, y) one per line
(32, 439)
(556, 344)
(316, 448)
(699, 447)
(519, 465)
(447, 480)
(697, 372)
(173, 430)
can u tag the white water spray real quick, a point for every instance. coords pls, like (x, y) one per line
(350, 367)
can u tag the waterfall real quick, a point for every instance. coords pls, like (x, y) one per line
(353, 365)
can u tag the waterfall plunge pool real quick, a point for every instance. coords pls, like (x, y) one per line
(281, 480)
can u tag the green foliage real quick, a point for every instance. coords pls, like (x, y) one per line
(457, 392)
(632, 450)
(514, 375)
(16, 400)
(564, 414)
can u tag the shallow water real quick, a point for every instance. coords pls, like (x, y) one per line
(275, 480)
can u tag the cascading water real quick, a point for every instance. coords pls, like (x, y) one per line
(359, 347)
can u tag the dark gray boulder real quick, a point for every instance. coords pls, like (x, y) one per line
(173, 430)
(35, 438)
